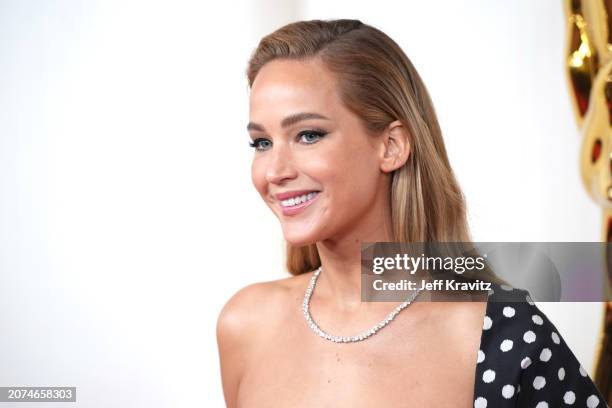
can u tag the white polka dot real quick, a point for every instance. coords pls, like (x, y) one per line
(539, 382)
(508, 391)
(480, 403)
(518, 389)
(529, 300)
(545, 355)
(555, 338)
(506, 345)
(487, 323)
(509, 311)
(569, 398)
(488, 376)
(481, 356)
(561, 374)
(542, 404)
(592, 401)
(582, 371)
(537, 319)
(529, 336)
(526, 362)
(505, 287)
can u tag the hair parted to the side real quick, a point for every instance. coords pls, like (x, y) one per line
(378, 83)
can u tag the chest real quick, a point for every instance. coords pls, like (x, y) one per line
(401, 366)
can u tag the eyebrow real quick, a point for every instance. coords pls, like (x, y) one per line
(289, 120)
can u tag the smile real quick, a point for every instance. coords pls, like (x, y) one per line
(295, 205)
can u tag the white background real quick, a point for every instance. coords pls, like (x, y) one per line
(127, 215)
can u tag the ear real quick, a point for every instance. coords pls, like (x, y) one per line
(395, 147)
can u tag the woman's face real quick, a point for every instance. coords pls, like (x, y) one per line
(314, 164)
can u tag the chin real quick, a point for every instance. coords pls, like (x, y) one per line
(297, 238)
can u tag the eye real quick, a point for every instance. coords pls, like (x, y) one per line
(310, 136)
(260, 144)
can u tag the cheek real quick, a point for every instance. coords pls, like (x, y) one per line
(356, 170)
(355, 180)
(258, 177)
(340, 179)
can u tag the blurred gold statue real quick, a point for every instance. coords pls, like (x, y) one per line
(589, 73)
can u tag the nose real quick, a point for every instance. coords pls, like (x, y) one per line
(280, 166)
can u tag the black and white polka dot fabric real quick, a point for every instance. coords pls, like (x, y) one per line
(524, 362)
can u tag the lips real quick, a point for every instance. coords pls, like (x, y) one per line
(294, 202)
(291, 194)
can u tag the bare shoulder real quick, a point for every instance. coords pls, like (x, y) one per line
(243, 312)
(242, 321)
(459, 320)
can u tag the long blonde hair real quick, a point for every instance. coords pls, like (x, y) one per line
(379, 84)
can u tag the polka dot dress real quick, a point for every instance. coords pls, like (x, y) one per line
(524, 362)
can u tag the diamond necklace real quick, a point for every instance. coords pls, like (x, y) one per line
(348, 339)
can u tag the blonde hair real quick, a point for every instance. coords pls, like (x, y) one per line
(378, 83)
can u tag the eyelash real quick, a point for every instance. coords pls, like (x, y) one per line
(319, 133)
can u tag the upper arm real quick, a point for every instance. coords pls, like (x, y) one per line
(524, 361)
(554, 374)
(234, 327)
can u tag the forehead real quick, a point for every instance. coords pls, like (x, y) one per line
(288, 86)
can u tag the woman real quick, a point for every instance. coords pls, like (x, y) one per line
(348, 150)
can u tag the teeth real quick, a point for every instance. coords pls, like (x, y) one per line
(290, 202)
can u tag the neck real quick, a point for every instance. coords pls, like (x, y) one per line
(340, 280)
